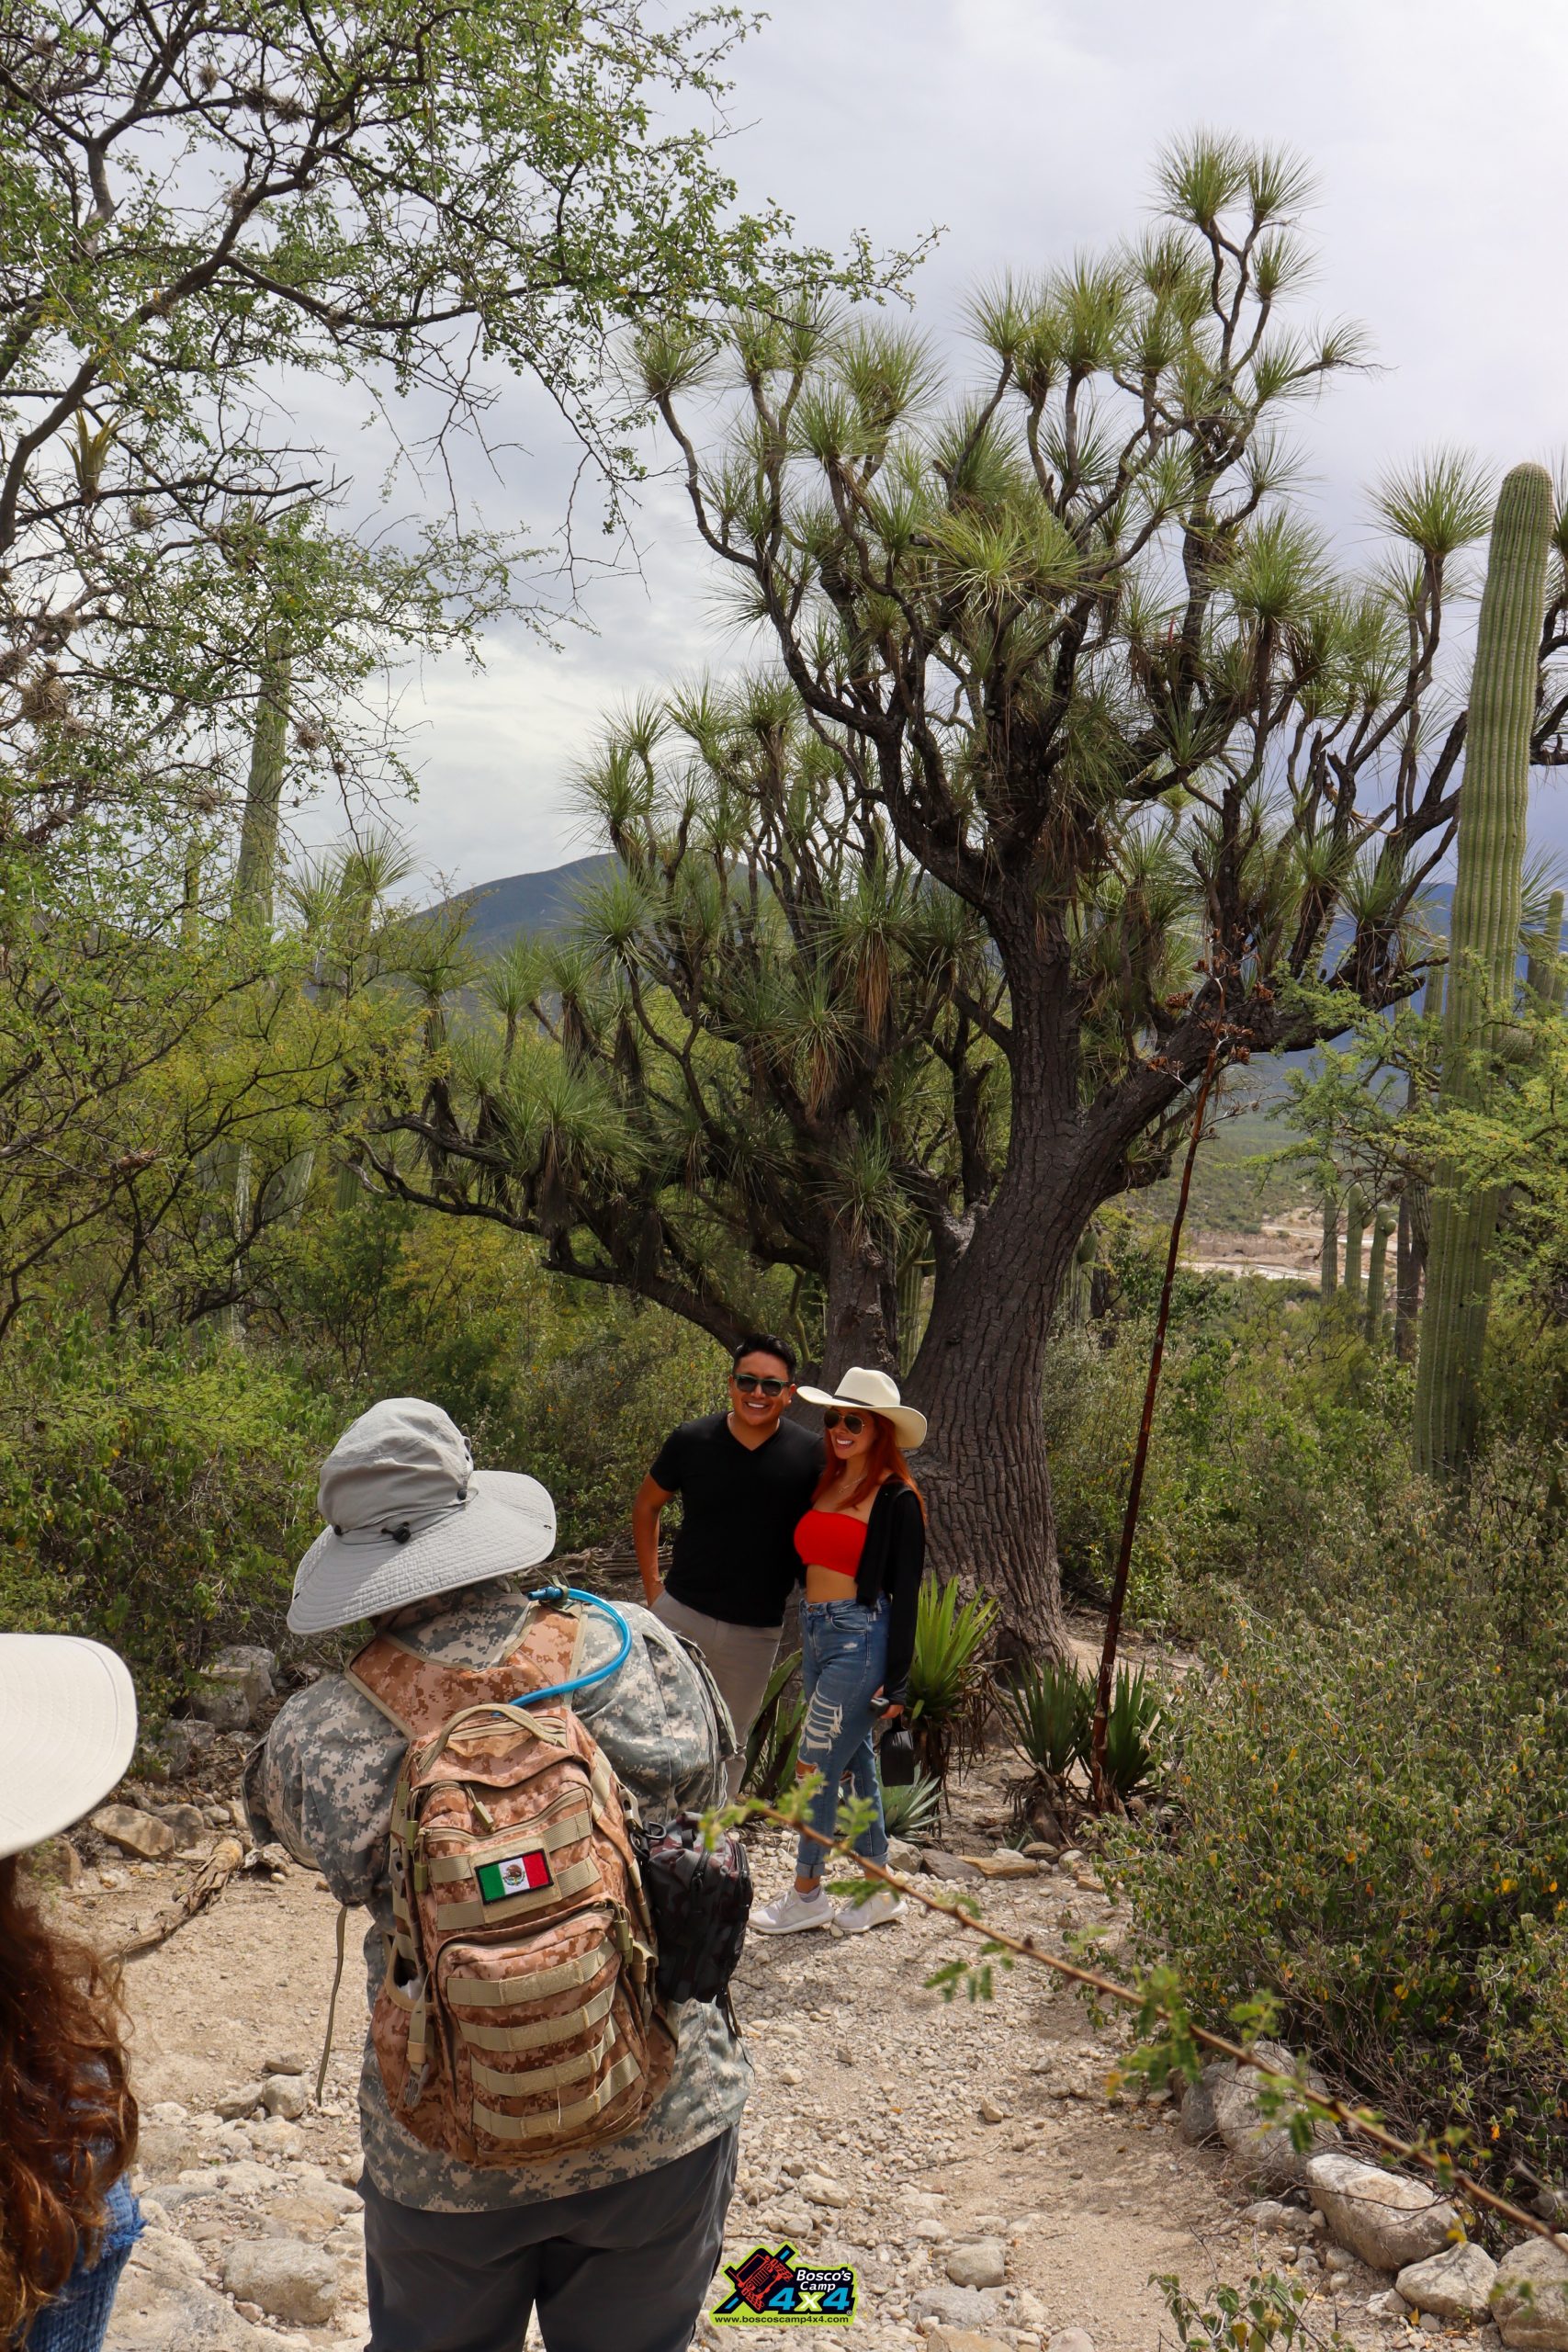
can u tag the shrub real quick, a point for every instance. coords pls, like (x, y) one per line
(1372, 1816)
(156, 1498)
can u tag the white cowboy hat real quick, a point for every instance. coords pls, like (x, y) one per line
(67, 1728)
(409, 1516)
(873, 1392)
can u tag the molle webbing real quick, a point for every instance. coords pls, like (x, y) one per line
(420, 1695)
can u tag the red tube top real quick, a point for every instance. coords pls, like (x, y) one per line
(831, 1539)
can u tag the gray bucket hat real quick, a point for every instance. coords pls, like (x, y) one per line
(409, 1516)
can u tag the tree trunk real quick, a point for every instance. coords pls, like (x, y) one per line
(978, 1378)
(860, 1323)
(256, 871)
(1406, 1280)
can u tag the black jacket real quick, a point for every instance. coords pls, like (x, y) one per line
(893, 1563)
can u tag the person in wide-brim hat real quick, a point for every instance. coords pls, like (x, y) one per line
(872, 1392)
(408, 1517)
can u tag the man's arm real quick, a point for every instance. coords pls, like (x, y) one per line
(651, 1499)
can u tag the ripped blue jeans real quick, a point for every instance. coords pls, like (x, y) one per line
(844, 1659)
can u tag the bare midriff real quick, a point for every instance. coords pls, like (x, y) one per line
(839, 1533)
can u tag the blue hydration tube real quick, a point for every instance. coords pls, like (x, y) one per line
(552, 1593)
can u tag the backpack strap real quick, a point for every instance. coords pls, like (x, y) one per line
(419, 1695)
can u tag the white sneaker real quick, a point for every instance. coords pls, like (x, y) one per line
(793, 1913)
(878, 1910)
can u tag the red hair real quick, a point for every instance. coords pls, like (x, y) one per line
(884, 1459)
(67, 2119)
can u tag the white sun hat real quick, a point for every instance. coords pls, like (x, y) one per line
(407, 1516)
(67, 1729)
(873, 1392)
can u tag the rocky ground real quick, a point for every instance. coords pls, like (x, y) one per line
(965, 2157)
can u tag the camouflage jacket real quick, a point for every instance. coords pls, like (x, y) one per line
(321, 1786)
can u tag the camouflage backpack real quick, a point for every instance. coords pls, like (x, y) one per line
(517, 2018)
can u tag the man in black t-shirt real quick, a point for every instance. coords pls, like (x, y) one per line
(745, 1479)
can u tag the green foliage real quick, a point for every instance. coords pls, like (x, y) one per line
(911, 1808)
(1049, 1711)
(773, 1740)
(1371, 1788)
(947, 1672)
(1133, 1723)
(157, 1499)
(1266, 2314)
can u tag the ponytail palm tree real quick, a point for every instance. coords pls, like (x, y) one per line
(1069, 644)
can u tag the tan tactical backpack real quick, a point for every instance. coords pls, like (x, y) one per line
(517, 2018)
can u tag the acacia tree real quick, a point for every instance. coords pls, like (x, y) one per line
(1066, 624)
(760, 1047)
(203, 206)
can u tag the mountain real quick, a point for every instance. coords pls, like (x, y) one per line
(498, 912)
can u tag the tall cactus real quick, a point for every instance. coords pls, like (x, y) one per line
(1377, 1266)
(1354, 1233)
(1484, 944)
(1328, 1252)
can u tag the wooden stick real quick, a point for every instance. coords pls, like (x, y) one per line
(203, 1891)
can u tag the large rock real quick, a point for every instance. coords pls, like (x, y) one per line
(954, 2306)
(962, 2339)
(242, 2101)
(982, 2263)
(164, 2304)
(1262, 2144)
(1071, 2339)
(1197, 2121)
(289, 2282)
(285, 2094)
(950, 1866)
(134, 1832)
(1529, 2301)
(234, 1686)
(187, 1821)
(1381, 2216)
(181, 1743)
(1455, 2284)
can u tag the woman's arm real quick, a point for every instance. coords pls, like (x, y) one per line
(901, 1583)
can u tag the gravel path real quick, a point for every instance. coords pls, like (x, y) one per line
(918, 2138)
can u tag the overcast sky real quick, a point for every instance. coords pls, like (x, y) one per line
(1026, 128)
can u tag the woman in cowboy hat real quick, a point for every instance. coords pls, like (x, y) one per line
(862, 1545)
(67, 2119)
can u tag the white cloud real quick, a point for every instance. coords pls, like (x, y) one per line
(1030, 129)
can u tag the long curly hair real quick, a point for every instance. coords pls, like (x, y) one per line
(67, 2119)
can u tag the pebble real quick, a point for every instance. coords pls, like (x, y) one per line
(1071, 2339)
(823, 2190)
(289, 2061)
(991, 2112)
(285, 2094)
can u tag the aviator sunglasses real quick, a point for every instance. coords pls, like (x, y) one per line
(849, 1421)
(747, 1380)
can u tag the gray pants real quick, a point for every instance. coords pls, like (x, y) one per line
(627, 2266)
(740, 1658)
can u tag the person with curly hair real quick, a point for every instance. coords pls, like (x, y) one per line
(68, 2121)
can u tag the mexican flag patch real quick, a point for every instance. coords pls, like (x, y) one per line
(518, 1875)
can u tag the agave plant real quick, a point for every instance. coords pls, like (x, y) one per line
(1050, 1713)
(947, 1673)
(1132, 1727)
(910, 1807)
(774, 1737)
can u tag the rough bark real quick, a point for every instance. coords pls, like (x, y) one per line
(860, 1320)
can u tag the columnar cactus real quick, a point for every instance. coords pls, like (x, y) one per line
(1354, 1232)
(1328, 1258)
(1377, 1264)
(1484, 944)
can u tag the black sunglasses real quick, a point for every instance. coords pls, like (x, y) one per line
(849, 1421)
(747, 1380)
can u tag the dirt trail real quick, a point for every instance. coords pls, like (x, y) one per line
(866, 2080)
